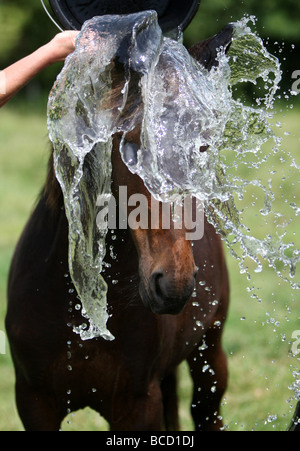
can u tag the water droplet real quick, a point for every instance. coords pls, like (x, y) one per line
(271, 419)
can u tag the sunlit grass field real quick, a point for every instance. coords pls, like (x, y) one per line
(258, 334)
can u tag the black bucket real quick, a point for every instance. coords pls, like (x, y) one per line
(172, 14)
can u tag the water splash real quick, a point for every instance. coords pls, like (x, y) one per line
(195, 138)
(247, 130)
(82, 118)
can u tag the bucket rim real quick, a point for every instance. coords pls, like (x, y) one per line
(178, 14)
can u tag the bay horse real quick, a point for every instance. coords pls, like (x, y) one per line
(157, 324)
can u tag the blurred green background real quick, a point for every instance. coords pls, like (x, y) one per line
(258, 335)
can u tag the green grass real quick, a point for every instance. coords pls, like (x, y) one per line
(258, 334)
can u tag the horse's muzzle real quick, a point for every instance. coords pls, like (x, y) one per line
(165, 295)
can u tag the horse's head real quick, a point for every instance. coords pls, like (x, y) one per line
(166, 264)
(122, 103)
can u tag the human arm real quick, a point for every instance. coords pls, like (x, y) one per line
(13, 78)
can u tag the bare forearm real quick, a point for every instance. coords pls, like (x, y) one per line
(19, 74)
(13, 78)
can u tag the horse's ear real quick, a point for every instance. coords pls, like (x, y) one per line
(206, 52)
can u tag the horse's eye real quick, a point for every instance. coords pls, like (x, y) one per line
(130, 153)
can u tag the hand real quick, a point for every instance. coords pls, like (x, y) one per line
(62, 45)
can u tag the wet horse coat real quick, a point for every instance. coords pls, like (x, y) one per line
(131, 381)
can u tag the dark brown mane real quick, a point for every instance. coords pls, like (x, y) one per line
(52, 191)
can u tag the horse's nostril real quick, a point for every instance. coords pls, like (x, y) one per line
(157, 282)
(165, 288)
(167, 295)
